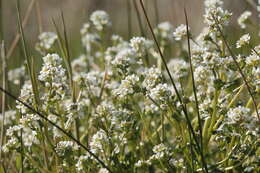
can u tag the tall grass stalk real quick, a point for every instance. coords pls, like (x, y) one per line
(29, 61)
(4, 71)
(238, 66)
(39, 16)
(14, 43)
(1, 20)
(139, 19)
(129, 18)
(156, 9)
(204, 164)
(174, 86)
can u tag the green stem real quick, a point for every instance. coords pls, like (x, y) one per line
(207, 130)
(236, 96)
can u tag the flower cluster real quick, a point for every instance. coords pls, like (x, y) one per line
(135, 111)
(46, 42)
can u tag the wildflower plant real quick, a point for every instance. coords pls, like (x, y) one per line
(135, 105)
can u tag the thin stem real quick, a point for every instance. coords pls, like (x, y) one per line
(1, 21)
(18, 35)
(2, 50)
(29, 60)
(174, 86)
(238, 66)
(139, 18)
(39, 16)
(22, 156)
(195, 91)
(43, 116)
(156, 9)
(129, 18)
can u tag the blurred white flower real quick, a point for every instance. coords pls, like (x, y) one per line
(180, 32)
(243, 19)
(244, 40)
(46, 42)
(100, 19)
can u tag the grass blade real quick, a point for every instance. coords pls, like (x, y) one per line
(173, 83)
(129, 18)
(238, 66)
(43, 116)
(18, 36)
(139, 19)
(4, 70)
(29, 61)
(195, 92)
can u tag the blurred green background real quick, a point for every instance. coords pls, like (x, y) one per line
(40, 13)
(76, 12)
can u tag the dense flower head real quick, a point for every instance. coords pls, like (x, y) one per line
(97, 141)
(140, 45)
(215, 14)
(164, 31)
(178, 67)
(127, 86)
(46, 42)
(153, 76)
(125, 59)
(238, 114)
(244, 40)
(160, 93)
(100, 19)
(180, 32)
(65, 147)
(243, 19)
(15, 75)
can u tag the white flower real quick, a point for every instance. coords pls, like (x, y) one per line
(244, 40)
(124, 59)
(178, 68)
(90, 39)
(16, 75)
(160, 151)
(238, 114)
(127, 86)
(151, 108)
(97, 140)
(139, 45)
(164, 31)
(153, 76)
(29, 119)
(180, 32)
(100, 19)
(10, 116)
(85, 29)
(253, 60)
(161, 93)
(79, 64)
(11, 143)
(27, 96)
(215, 15)
(243, 18)
(80, 164)
(202, 74)
(53, 76)
(46, 42)
(65, 147)
(29, 137)
(11, 130)
(213, 3)
(103, 170)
